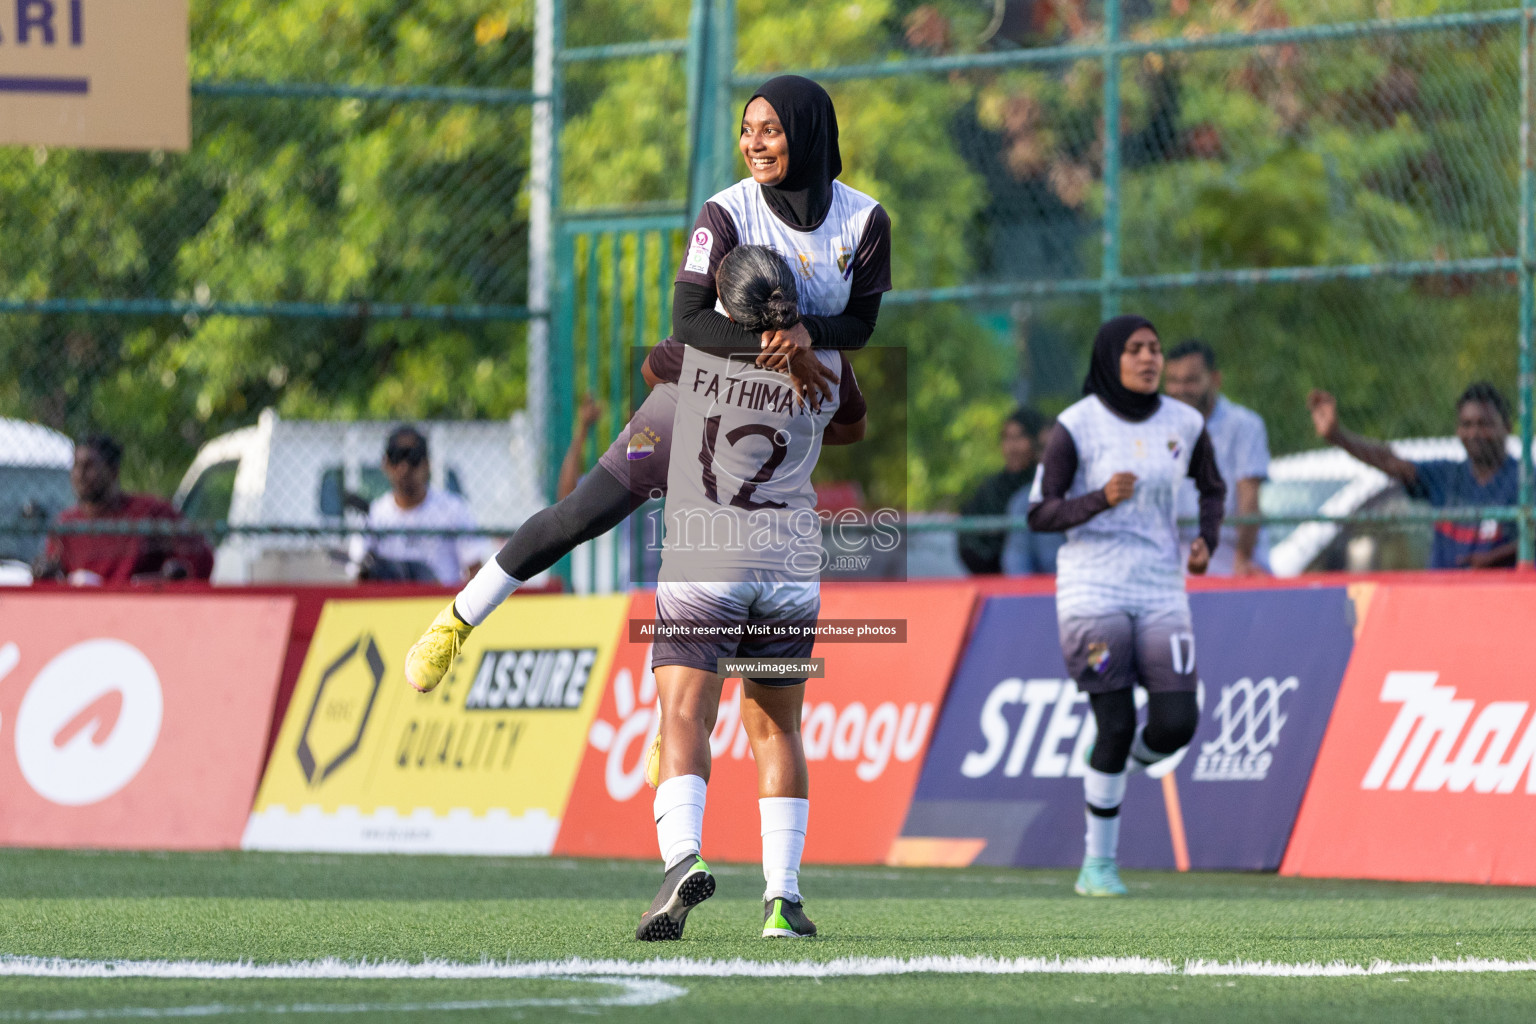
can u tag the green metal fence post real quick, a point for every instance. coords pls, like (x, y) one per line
(1109, 270)
(558, 405)
(1527, 284)
(562, 322)
(700, 103)
(726, 126)
(711, 61)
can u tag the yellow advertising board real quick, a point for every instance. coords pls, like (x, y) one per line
(97, 74)
(483, 764)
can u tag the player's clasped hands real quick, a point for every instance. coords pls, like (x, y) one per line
(1120, 488)
(779, 346)
(790, 351)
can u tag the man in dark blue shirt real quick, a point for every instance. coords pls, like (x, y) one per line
(1490, 475)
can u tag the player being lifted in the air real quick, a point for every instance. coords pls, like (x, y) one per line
(743, 545)
(1110, 479)
(839, 241)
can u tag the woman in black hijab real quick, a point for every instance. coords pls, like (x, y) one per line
(838, 241)
(792, 203)
(1105, 373)
(1110, 479)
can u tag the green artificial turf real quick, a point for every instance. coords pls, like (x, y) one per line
(276, 908)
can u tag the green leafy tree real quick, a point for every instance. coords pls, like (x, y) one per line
(282, 200)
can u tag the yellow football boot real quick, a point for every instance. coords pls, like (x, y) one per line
(429, 658)
(653, 763)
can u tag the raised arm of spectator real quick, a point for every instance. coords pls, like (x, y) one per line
(1248, 534)
(1213, 502)
(1325, 419)
(570, 466)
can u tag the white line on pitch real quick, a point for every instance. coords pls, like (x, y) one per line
(633, 992)
(846, 967)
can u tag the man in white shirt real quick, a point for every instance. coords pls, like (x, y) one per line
(413, 503)
(1242, 455)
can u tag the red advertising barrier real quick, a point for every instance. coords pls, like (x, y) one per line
(1428, 768)
(134, 722)
(867, 726)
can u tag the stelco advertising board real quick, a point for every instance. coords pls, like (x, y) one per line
(1003, 782)
(483, 764)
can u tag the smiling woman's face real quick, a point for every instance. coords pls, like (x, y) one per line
(763, 144)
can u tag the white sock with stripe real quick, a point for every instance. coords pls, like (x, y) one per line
(679, 810)
(1103, 792)
(484, 593)
(783, 819)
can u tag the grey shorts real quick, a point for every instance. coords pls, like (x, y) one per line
(639, 456)
(1112, 652)
(718, 614)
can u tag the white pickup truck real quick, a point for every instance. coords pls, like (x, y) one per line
(34, 489)
(302, 473)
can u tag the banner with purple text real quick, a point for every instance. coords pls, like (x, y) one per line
(1002, 783)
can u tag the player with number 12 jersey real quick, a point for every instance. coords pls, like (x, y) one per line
(743, 550)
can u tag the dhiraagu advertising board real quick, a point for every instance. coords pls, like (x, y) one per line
(483, 764)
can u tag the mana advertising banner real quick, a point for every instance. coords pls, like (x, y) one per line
(116, 732)
(1427, 773)
(95, 74)
(482, 764)
(866, 727)
(1003, 782)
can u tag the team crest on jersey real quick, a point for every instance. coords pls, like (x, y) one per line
(805, 264)
(843, 256)
(1174, 448)
(1098, 657)
(642, 444)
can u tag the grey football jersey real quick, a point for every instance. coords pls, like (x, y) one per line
(1127, 558)
(739, 492)
(838, 259)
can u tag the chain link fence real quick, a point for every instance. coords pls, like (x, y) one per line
(1329, 192)
(344, 248)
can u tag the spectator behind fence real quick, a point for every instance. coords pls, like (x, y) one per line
(982, 553)
(1025, 552)
(1489, 476)
(572, 468)
(414, 504)
(1242, 456)
(90, 559)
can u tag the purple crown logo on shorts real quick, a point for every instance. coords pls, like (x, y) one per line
(1098, 657)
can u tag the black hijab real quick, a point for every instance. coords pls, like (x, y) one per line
(1104, 371)
(805, 110)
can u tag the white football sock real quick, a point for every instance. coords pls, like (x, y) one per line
(1106, 792)
(679, 809)
(484, 593)
(1103, 838)
(783, 819)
